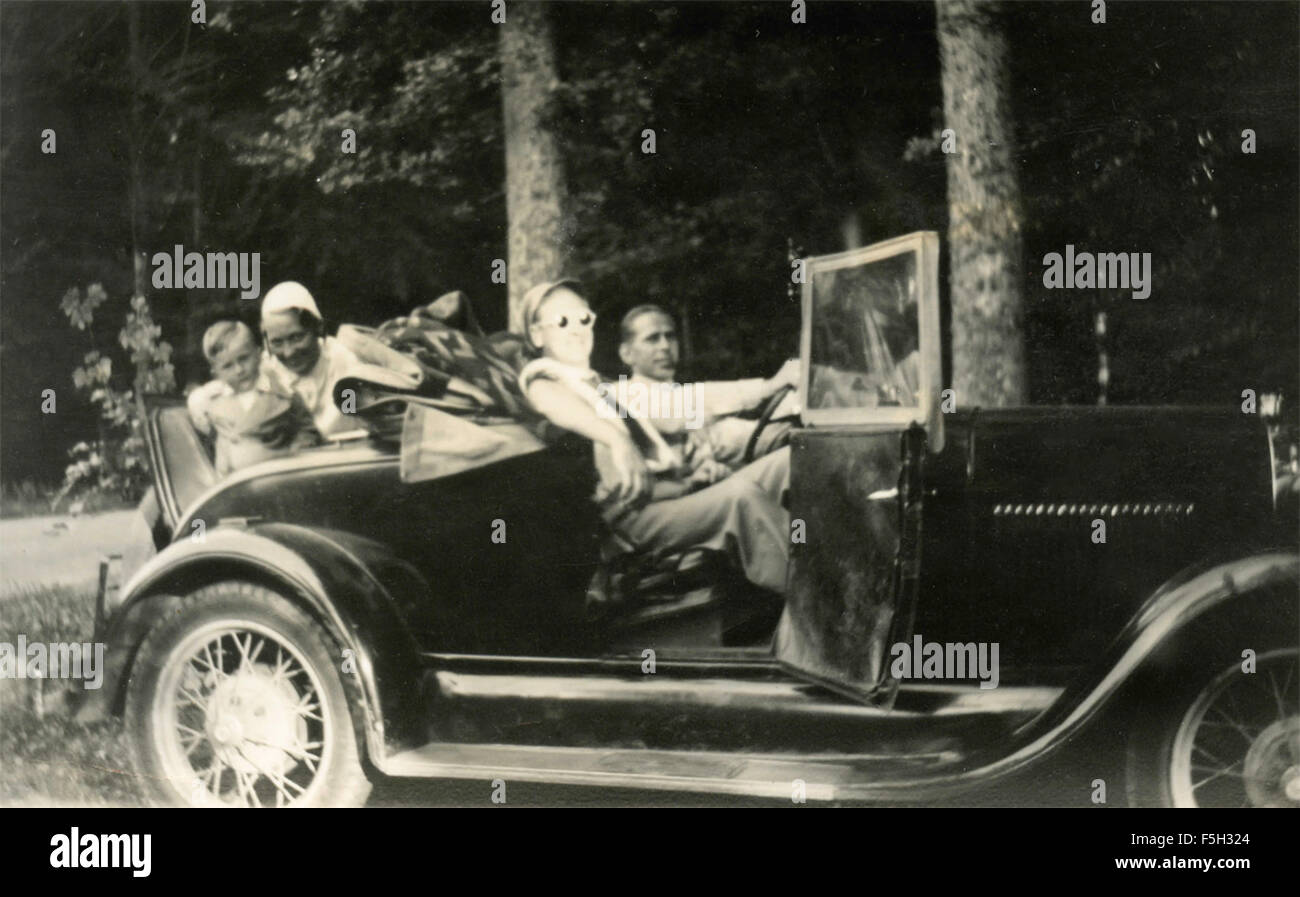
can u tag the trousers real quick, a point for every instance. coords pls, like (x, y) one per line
(744, 516)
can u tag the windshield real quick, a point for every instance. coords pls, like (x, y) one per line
(865, 335)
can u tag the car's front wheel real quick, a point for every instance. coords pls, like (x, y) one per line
(1230, 738)
(234, 700)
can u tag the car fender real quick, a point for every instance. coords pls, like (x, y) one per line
(323, 571)
(1182, 600)
(1162, 617)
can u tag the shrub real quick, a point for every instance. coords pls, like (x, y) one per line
(115, 463)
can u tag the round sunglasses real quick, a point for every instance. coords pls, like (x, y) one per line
(586, 320)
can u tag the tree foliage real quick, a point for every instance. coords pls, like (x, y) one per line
(1132, 141)
(823, 133)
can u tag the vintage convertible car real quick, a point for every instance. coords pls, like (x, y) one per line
(970, 590)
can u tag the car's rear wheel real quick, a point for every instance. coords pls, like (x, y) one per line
(234, 700)
(1231, 738)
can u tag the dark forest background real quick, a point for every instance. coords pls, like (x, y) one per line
(225, 137)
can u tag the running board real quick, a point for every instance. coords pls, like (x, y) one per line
(751, 694)
(755, 712)
(824, 778)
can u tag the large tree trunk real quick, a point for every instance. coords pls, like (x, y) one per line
(535, 185)
(984, 240)
(135, 146)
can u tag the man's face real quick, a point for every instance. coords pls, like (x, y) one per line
(652, 350)
(563, 328)
(238, 363)
(295, 345)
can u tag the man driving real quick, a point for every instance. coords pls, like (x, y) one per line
(743, 515)
(649, 346)
(301, 357)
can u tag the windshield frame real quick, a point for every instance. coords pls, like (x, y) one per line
(925, 246)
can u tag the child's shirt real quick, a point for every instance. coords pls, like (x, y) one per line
(251, 426)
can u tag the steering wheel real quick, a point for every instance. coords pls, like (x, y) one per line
(764, 417)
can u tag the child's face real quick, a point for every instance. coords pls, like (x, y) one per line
(238, 363)
(563, 328)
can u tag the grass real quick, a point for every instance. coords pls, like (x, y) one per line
(47, 614)
(48, 759)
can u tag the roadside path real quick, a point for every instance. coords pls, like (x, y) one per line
(63, 550)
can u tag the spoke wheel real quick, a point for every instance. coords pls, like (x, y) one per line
(234, 701)
(243, 718)
(1238, 744)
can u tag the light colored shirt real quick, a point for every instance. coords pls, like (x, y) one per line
(250, 426)
(715, 435)
(711, 400)
(660, 458)
(202, 402)
(316, 387)
(724, 397)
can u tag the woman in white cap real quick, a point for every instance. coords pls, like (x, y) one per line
(301, 357)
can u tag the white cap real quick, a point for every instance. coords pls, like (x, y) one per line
(289, 295)
(533, 301)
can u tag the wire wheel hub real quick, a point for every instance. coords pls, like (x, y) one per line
(244, 721)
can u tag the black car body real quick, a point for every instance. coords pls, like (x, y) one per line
(461, 655)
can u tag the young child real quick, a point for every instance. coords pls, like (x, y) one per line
(253, 417)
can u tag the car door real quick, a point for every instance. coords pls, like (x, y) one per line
(871, 377)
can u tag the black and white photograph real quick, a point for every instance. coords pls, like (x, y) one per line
(651, 404)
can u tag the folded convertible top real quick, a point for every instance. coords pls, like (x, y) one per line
(451, 396)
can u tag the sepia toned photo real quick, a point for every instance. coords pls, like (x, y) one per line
(695, 404)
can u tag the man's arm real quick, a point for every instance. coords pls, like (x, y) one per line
(563, 408)
(721, 398)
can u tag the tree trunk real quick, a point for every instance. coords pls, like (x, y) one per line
(197, 302)
(535, 186)
(135, 146)
(984, 239)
